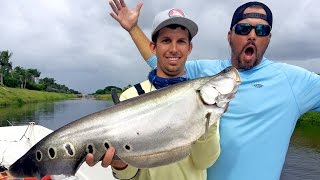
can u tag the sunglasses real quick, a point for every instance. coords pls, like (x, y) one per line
(245, 29)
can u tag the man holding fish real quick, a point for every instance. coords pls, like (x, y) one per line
(154, 133)
(171, 42)
(256, 129)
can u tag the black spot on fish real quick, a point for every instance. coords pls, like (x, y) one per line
(106, 145)
(69, 149)
(127, 147)
(90, 148)
(52, 153)
(39, 155)
(138, 133)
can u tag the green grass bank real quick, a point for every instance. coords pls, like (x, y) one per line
(310, 118)
(17, 96)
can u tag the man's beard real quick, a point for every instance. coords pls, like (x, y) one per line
(246, 66)
(243, 64)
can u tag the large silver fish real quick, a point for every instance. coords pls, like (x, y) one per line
(150, 130)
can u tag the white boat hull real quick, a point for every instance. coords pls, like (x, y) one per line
(15, 141)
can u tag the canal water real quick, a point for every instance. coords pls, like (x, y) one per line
(302, 161)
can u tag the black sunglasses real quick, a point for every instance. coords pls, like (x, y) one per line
(245, 29)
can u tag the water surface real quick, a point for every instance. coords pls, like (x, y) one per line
(302, 161)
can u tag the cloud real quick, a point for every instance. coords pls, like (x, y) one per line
(77, 43)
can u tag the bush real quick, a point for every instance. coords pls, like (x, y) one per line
(310, 118)
(100, 91)
(34, 86)
(11, 82)
(108, 89)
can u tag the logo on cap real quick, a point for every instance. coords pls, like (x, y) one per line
(176, 13)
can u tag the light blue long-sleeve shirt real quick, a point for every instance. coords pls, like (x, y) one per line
(256, 130)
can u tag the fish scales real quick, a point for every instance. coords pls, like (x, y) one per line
(150, 130)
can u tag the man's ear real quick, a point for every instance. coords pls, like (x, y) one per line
(190, 48)
(152, 46)
(269, 38)
(229, 37)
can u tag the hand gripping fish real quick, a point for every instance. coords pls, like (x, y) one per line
(150, 130)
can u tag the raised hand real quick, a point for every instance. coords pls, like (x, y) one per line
(126, 17)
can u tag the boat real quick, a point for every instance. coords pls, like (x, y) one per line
(16, 140)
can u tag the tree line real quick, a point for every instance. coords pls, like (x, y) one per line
(19, 77)
(108, 89)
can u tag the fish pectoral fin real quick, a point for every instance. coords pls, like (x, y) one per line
(115, 157)
(98, 156)
(159, 158)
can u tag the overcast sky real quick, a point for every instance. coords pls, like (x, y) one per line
(79, 44)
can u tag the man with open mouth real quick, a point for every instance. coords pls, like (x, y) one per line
(256, 129)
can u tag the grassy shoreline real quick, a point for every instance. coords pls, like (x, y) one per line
(17, 96)
(309, 118)
(306, 136)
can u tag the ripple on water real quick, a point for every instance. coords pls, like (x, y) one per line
(302, 163)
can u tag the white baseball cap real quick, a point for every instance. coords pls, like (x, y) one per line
(173, 16)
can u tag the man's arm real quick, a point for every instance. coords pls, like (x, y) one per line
(128, 19)
(305, 86)
(206, 150)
